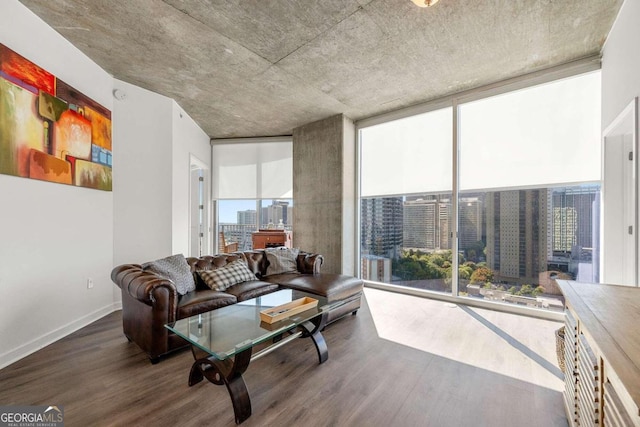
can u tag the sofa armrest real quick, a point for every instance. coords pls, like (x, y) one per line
(309, 263)
(146, 287)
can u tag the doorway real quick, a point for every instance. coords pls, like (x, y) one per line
(199, 224)
(619, 254)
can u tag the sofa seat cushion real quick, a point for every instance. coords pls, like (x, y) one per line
(251, 289)
(198, 302)
(335, 287)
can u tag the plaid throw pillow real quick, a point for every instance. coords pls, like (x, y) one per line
(281, 260)
(224, 277)
(174, 268)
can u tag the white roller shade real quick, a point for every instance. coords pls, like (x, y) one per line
(408, 156)
(253, 170)
(538, 136)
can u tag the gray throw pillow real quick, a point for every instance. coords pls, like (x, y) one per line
(224, 277)
(282, 260)
(174, 268)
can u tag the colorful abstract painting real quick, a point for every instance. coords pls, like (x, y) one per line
(50, 131)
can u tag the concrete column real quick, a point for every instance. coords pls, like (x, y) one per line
(324, 191)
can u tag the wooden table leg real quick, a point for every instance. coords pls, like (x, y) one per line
(312, 330)
(228, 372)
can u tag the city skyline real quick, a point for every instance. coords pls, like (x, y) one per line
(518, 233)
(229, 210)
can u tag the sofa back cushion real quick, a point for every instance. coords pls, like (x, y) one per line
(174, 268)
(257, 262)
(231, 274)
(282, 260)
(209, 262)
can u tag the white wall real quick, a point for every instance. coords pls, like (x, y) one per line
(52, 236)
(620, 85)
(621, 63)
(153, 140)
(142, 181)
(188, 139)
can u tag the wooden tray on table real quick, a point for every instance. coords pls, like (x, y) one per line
(275, 314)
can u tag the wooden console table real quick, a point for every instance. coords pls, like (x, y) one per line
(271, 239)
(602, 354)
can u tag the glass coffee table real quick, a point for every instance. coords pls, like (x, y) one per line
(223, 340)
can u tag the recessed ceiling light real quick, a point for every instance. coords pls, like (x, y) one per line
(425, 3)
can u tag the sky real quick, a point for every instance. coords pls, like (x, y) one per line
(228, 209)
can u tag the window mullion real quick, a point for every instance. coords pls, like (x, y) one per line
(454, 203)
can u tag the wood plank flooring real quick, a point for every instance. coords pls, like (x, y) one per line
(402, 361)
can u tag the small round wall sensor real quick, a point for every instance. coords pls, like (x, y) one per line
(119, 94)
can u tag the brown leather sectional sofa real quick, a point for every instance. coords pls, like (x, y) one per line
(150, 301)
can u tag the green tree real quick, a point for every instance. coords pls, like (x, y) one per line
(482, 275)
(538, 291)
(471, 254)
(465, 272)
(525, 291)
(434, 271)
(472, 265)
(438, 260)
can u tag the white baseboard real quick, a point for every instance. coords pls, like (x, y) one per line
(36, 344)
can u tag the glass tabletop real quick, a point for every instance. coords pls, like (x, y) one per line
(225, 331)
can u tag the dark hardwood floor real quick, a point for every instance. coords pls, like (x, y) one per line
(402, 361)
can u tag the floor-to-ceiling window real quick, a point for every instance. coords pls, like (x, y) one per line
(530, 160)
(405, 205)
(253, 187)
(515, 177)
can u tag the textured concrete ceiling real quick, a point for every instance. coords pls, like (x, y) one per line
(263, 67)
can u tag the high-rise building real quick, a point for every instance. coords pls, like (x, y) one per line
(381, 226)
(575, 224)
(517, 224)
(444, 223)
(470, 225)
(376, 268)
(565, 224)
(426, 223)
(572, 217)
(247, 217)
(420, 225)
(277, 211)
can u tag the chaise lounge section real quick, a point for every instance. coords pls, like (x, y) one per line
(151, 299)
